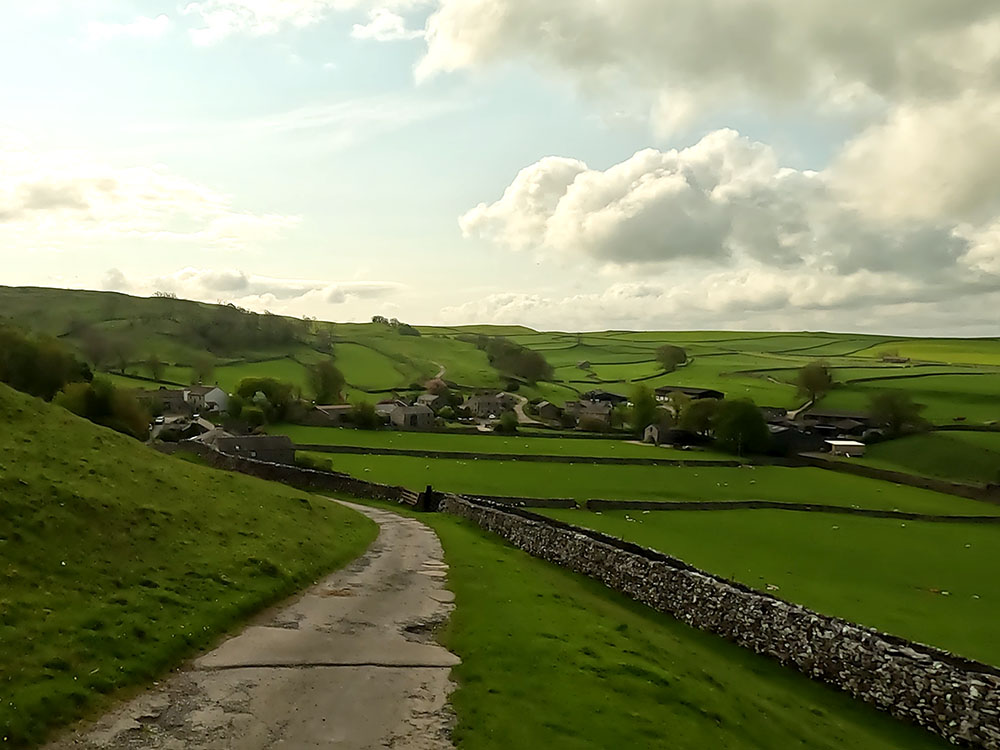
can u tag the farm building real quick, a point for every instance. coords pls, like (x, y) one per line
(169, 401)
(274, 449)
(651, 435)
(591, 411)
(207, 398)
(849, 448)
(548, 410)
(604, 397)
(695, 394)
(584, 365)
(433, 401)
(385, 408)
(328, 416)
(417, 417)
(836, 422)
(484, 405)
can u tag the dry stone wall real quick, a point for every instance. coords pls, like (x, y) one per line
(954, 697)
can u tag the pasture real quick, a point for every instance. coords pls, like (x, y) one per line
(551, 659)
(933, 583)
(957, 456)
(582, 481)
(488, 443)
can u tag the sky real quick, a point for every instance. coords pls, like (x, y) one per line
(566, 165)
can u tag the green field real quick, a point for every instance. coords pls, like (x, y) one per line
(583, 481)
(551, 659)
(376, 359)
(118, 562)
(958, 456)
(878, 572)
(487, 443)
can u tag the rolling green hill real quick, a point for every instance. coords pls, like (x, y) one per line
(117, 562)
(962, 383)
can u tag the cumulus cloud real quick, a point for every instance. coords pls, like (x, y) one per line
(143, 27)
(921, 77)
(71, 200)
(725, 200)
(385, 26)
(251, 290)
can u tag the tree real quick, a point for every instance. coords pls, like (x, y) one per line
(698, 416)
(671, 357)
(279, 397)
(380, 320)
(326, 381)
(156, 367)
(324, 340)
(507, 424)
(447, 412)
(202, 369)
(103, 404)
(38, 366)
(896, 412)
(620, 415)
(436, 386)
(235, 406)
(364, 416)
(121, 352)
(95, 347)
(645, 408)
(814, 380)
(740, 428)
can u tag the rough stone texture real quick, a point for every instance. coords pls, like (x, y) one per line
(307, 479)
(954, 697)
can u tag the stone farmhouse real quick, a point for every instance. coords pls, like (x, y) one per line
(547, 410)
(433, 401)
(484, 405)
(416, 417)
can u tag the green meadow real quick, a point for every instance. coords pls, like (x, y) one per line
(118, 562)
(489, 443)
(958, 456)
(551, 659)
(582, 481)
(934, 583)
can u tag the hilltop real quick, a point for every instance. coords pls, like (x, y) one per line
(117, 562)
(957, 379)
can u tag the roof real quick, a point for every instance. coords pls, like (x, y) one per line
(201, 390)
(543, 404)
(845, 443)
(835, 414)
(415, 409)
(603, 407)
(599, 395)
(255, 442)
(335, 409)
(690, 391)
(425, 397)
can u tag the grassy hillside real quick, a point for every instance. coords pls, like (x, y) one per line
(965, 382)
(116, 562)
(878, 572)
(960, 456)
(551, 659)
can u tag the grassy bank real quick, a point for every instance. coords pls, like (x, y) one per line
(487, 443)
(551, 659)
(583, 481)
(882, 573)
(117, 562)
(958, 456)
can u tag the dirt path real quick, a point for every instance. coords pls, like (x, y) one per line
(349, 665)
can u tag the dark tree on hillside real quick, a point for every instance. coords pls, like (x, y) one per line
(202, 369)
(896, 412)
(814, 380)
(156, 367)
(39, 367)
(95, 347)
(121, 352)
(326, 381)
(671, 357)
(644, 410)
(740, 428)
(364, 416)
(698, 416)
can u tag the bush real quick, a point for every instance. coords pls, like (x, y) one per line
(311, 462)
(593, 424)
(507, 424)
(103, 404)
(254, 416)
(364, 416)
(447, 413)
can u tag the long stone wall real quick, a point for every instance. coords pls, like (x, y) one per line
(296, 476)
(956, 698)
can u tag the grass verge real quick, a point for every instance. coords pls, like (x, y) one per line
(117, 562)
(551, 659)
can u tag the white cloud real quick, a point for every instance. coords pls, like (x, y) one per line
(725, 199)
(256, 292)
(141, 28)
(384, 26)
(74, 201)
(219, 19)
